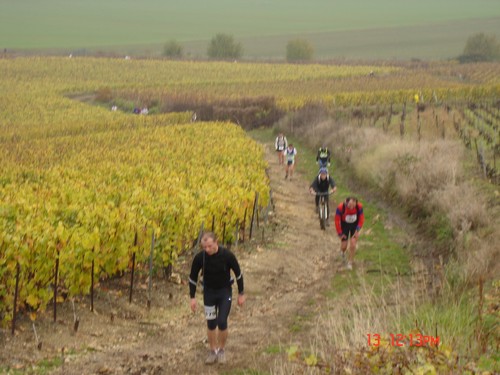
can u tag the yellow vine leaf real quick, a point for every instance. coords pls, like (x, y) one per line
(33, 300)
(293, 352)
(311, 360)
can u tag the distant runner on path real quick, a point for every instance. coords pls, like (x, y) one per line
(280, 144)
(323, 157)
(290, 155)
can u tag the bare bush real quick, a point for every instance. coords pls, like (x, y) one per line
(466, 210)
(477, 256)
(104, 95)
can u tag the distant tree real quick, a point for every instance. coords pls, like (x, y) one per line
(299, 50)
(480, 47)
(173, 49)
(223, 46)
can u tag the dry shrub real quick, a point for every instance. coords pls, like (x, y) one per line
(304, 123)
(465, 209)
(478, 255)
(346, 142)
(104, 95)
(319, 133)
(309, 114)
(376, 163)
(414, 171)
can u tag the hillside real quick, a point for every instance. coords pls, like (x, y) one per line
(381, 29)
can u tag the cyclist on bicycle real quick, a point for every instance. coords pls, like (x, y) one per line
(322, 184)
(323, 157)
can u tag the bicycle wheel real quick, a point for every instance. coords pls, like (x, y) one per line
(322, 215)
(325, 213)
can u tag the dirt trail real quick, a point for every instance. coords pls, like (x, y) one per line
(284, 279)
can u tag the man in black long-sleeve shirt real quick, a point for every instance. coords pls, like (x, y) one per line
(322, 184)
(215, 262)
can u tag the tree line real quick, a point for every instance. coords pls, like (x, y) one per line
(478, 47)
(225, 47)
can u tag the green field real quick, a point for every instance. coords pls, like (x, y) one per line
(428, 29)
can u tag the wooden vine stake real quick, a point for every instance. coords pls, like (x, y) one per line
(76, 319)
(387, 123)
(402, 123)
(16, 292)
(37, 340)
(151, 268)
(419, 127)
(236, 233)
(132, 279)
(56, 273)
(255, 204)
(92, 283)
(268, 207)
(133, 269)
(243, 226)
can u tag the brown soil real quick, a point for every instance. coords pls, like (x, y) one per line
(285, 277)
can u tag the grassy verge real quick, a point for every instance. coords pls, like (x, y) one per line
(41, 368)
(245, 372)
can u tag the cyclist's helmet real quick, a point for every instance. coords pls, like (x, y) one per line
(323, 170)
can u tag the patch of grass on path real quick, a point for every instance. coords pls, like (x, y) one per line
(245, 372)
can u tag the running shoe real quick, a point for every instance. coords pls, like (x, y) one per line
(221, 356)
(211, 358)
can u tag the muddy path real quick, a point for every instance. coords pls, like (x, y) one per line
(285, 278)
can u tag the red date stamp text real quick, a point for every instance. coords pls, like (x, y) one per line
(399, 339)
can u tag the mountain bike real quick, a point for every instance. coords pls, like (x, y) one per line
(323, 211)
